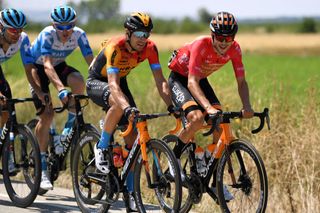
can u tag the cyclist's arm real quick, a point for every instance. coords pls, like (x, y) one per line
(35, 84)
(116, 92)
(243, 90)
(89, 59)
(197, 93)
(162, 86)
(51, 73)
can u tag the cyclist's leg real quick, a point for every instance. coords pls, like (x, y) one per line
(182, 98)
(72, 78)
(42, 127)
(99, 92)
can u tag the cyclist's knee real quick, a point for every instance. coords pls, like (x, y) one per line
(195, 119)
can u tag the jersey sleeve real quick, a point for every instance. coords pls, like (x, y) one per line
(46, 41)
(197, 52)
(237, 64)
(113, 56)
(25, 51)
(84, 45)
(153, 57)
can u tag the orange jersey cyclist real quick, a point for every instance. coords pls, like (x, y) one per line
(107, 82)
(193, 63)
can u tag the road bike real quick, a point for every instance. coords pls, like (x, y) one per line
(151, 159)
(21, 165)
(57, 162)
(232, 164)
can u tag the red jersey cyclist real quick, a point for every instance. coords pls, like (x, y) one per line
(107, 83)
(193, 63)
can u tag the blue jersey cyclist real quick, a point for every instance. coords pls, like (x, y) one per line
(49, 50)
(12, 40)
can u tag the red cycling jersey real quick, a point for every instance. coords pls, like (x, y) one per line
(199, 58)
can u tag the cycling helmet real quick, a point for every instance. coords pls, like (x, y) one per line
(138, 21)
(63, 15)
(12, 18)
(224, 24)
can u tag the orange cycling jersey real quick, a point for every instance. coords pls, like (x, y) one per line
(199, 58)
(114, 57)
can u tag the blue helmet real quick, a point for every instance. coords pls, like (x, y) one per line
(63, 15)
(12, 18)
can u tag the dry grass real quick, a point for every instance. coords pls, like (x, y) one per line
(262, 43)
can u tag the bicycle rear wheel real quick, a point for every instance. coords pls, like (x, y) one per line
(87, 193)
(250, 191)
(22, 179)
(165, 186)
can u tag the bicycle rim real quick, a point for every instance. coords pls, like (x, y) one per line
(22, 181)
(87, 193)
(251, 189)
(166, 187)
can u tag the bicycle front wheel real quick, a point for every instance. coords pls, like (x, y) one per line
(242, 162)
(156, 179)
(22, 167)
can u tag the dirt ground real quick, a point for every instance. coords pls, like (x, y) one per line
(261, 43)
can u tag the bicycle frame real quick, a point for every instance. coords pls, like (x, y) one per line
(226, 138)
(11, 124)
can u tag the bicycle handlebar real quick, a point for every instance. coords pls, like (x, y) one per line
(19, 100)
(264, 115)
(60, 109)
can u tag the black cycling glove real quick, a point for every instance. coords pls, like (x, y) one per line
(129, 110)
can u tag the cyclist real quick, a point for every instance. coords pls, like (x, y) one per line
(193, 63)
(12, 39)
(107, 84)
(49, 50)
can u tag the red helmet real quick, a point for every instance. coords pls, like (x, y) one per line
(224, 24)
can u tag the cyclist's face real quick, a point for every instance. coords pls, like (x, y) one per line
(138, 39)
(12, 35)
(222, 43)
(64, 31)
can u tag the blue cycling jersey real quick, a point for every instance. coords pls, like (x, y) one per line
(48, 43)
(24, 45)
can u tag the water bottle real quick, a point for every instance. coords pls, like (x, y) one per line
(200, 161)
(117, 155)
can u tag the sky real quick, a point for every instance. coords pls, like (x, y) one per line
(242, 9)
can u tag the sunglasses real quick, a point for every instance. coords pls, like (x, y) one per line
(221, 38)
(14, 31)
(64, 27)
(141, 34)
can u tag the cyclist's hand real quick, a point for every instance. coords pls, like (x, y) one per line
(44, 98)
(212, 111)
(129, 112)
(3, 100)
(63, 96)
(175, 111)
(247, 112)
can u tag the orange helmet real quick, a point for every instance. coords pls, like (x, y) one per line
(138, 21)
(224, 24)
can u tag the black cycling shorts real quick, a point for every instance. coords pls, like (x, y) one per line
(183, 98)
(4, 87)
(62, 70)
(98, 90)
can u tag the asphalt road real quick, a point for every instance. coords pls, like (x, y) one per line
(57, 200)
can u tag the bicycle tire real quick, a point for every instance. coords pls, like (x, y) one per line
(163, 183)
(186, 202)
(251, 190)
(27, 162)
(79, 162)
